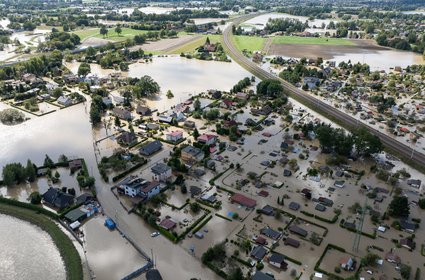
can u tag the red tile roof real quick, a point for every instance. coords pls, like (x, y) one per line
(243, 200)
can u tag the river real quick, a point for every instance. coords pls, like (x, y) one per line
(27, 252)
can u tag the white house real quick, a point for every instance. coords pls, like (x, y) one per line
(161, 172)
(133, 186)
(175, 136)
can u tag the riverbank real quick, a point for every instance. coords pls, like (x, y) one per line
(68, 252)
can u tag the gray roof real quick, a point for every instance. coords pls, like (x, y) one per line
(191, 150)
(277, 258)
(149, 149)
(294, 205)
(297, 230)
(258, 252)
(75, 215)
(320, 207)
(269, 232)
(260, 276)
(160, 168)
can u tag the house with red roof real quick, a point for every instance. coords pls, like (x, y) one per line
(174, 136)
(207, 139)
(243, 200)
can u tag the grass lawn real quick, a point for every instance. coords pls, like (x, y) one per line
(45, 27)
(312, 41)
(94, 32)
(191, 46)
(69, 254)
(249, 43)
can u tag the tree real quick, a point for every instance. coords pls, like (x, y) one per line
(117, 122)
(183, 189)
(57, 175)
(48, 162)
(399, 207)
(35, 198)
(270, 88)
(236, 274)
(370, 260)
(195, 133)
(103, 31)
(170, 94)
(197, 104)
(145, 87)
(366, 143)
(421, 203)
(195, 207)
(30, 171)
(84, 69)
(207, 41)
(118, 29)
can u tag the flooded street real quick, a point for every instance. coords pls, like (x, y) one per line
(34, 250)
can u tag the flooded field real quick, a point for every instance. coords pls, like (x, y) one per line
(260, 21)
(187, 77)
(26, 257)
(378, 58)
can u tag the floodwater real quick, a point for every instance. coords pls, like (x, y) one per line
(261, 21)
(31, 256)
(109, 255)
(187, 77)
(53, 134)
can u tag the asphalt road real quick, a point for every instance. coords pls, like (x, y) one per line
(415, 157)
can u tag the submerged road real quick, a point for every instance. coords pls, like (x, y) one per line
(408, 154)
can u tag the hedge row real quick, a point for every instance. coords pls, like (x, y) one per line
(244, 262)
(223, 217)
(226, 190)
(218, 271)
(213, 179)
(33, 207)
(128, 171)
(317, 217)
(196, 229)
(173, 206)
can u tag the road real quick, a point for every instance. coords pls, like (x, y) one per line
(412, 156)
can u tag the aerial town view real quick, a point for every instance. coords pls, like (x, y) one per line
(204, 140)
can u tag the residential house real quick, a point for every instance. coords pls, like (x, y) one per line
(150, 148)
(271, 233)
(127, 138)
(167, 224)
(54, 197)
(75, 164)
(161, 172)
(215, 94)
(194, 190)
(258, 253)
(311, 82)
(278, 260)
(207, 139)
(267, 210)
(407, 226)
(326, 201)
(143, 110)
(257, 57)
(174, 136)
(192, 154)
(298, 230)
(292, 242)
(347, 263)
(241, 96)
(76, 215)
(132, 185)
(64, 101)
(243, 200)
(151, 189)
(392, 258)
(294, 206)
(165, 119)
(407, 243)
(261, 276)
(414, 183)
(189, 124)
(107, 101)
(261, 240)
(122, 113)
(227, 104)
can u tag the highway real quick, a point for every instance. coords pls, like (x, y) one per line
(406, 153)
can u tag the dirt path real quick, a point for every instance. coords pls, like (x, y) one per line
(267, 45)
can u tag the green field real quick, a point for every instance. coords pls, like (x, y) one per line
(249, 43)
(312, 41)
(191, 46)
(94, 32)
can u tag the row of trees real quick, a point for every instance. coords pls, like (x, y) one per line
(16, 173)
